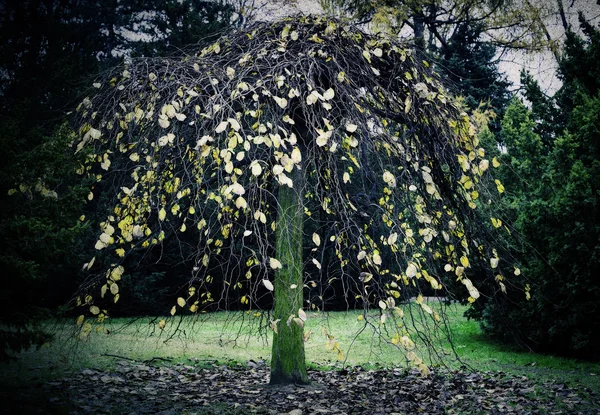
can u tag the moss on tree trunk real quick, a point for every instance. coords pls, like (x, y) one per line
(287, 359)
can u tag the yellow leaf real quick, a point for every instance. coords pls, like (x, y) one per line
(329, 94)
(273, 324)
(80, 320)
(322, 140)
(389, 179)
(494, 262)
(367, 55)
(499, 185)
(256, 168)
(234, 124)
(464, 261)
(161, 324)
(426, 308)
(296, 155)
(312, 98)
(260, 216)
(162, 214)
(163, 122)
(365, 277)
(302, 315)
(94, 310)
(268, 285)
(230, 72)
(282, 102)
(237, 189)
(241, 203)
(116, 273)
(91, 263)
(221, 127)
(316, 239)
(173, 310)
(181, 302)
(495, 162)
(274, 263)
(114, 289)
(120, 252)
(392, 238)
(317, 263)
(473, 292)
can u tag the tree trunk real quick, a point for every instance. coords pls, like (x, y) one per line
(287, 358)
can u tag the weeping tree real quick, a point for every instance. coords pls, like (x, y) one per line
(303, 157)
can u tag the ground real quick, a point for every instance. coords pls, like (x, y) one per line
(158, 387)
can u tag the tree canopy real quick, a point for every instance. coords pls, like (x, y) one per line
(352, 129)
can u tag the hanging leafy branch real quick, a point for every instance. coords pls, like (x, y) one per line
(385, 165)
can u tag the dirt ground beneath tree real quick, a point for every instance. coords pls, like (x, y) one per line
(148, 388)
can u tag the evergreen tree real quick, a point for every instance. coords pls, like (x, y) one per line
(553, 167)
(468, 64)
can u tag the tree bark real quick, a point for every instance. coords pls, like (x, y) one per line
(287, 358)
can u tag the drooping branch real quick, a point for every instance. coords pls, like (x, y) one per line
(394, 182)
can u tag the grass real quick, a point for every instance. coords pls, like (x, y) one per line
(238, 338)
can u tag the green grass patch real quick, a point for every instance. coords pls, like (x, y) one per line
(236, 338)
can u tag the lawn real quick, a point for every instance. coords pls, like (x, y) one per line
(239, 338)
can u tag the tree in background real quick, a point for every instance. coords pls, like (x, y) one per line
(48, 52)
(552, 167)
(433, 23)
(248, 144)
(469, 65)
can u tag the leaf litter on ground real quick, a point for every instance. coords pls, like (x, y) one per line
(158, 388)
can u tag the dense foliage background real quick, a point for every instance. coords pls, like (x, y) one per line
(50, 52)
(551, 166)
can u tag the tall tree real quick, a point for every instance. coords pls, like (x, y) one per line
(246, 141)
